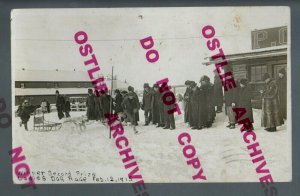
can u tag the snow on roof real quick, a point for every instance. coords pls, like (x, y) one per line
(51, 76)
(49, 91)
(68, 91)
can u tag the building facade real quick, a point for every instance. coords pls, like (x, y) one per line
(37, 85)
(268, 55)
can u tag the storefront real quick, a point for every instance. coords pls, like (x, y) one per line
(268, 55)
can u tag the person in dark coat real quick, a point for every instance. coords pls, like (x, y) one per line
(208, 104)
(90, 105)
(168, 118)
(136, 98)
(48, 107)
(130, 106)
(60, 105)
(282, 91)
(118, 102)
(156, 107)
(244, 99)
(186, 98)
(147, 103)
(230, 102)
(105, 100)
(195, 116)
(24, 112)
(271, 116)
(67, 107)
(218, 92)
(98, 110)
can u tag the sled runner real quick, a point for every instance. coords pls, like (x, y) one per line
(40, 124)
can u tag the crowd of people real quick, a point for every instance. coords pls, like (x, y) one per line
(201, 103)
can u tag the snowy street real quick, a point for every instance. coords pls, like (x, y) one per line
(222, 151)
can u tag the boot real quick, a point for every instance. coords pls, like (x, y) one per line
(232, 126)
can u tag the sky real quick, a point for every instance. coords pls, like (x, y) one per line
(43, 39)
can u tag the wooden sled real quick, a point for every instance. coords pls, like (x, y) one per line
(40, 124)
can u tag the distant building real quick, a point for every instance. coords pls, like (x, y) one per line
(268, 55)
(36, 85)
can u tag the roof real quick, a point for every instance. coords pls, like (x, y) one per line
(68, 91)
(249, 55)
(51, 76)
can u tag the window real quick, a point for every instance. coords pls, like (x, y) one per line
(78, 84)
(22, 85)
(56, 85)
(48, 85)
(257, 72)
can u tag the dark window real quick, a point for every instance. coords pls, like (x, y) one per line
(48, 85)
(56, 85)
(78, 84)
(22, 85)
(257, 72)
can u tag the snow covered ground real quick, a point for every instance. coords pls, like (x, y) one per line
(70, 155)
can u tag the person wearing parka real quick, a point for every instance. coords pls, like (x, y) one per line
(130, 106)
(105, 103)
(271, 116)
(208, 105)
(244, 99)
(196, 106)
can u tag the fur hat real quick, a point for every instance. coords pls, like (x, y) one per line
(204, 78)
(187, 82)
(155, 85)
(193, 84)
(130, 88)
(146, 85)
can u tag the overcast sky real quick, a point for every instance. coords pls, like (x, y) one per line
(43, 39)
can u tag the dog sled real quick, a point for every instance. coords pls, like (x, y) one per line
(40, 124)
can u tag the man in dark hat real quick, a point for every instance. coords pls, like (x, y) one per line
(147, 103)
(60, 105)
(208, 105)
(186, 99)
(157, 107)
(196, 103)
(137, 103)
(168, 118)
(271, 117)
(282, 91)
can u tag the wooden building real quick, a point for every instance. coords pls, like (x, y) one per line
(268, 55)
(36, 85)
